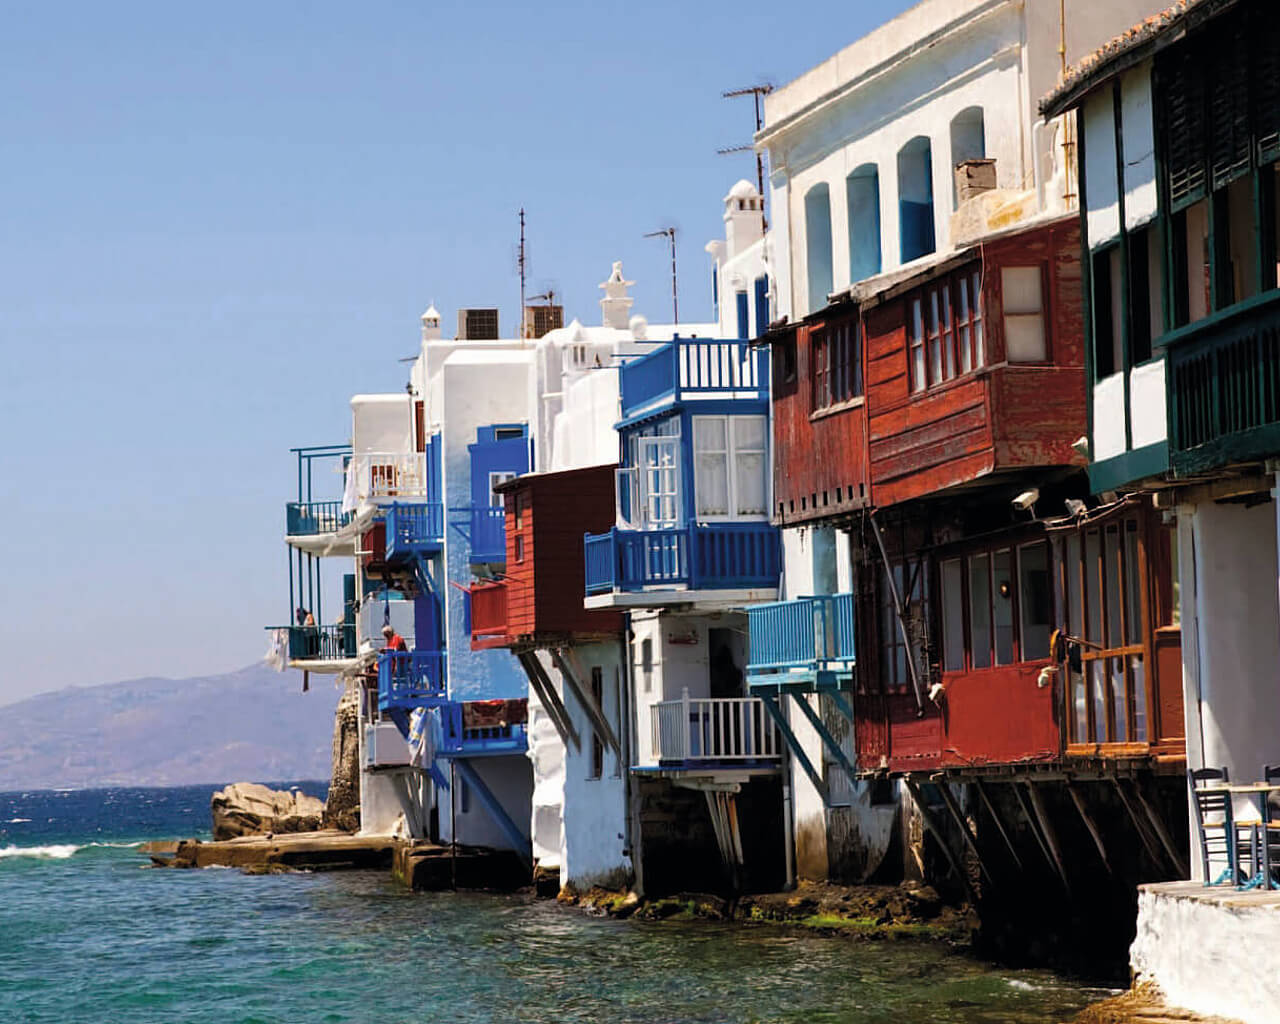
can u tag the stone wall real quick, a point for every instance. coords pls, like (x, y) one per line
(342, 809)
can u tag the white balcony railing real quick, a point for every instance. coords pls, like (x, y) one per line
(714, 729)
(383, 475)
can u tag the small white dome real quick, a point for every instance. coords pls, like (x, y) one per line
(639, 326)
(742, 190)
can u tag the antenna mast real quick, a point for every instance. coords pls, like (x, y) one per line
(523, 265)
(755, 92)
(675, 299)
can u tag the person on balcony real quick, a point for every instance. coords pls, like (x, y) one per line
(394, 641)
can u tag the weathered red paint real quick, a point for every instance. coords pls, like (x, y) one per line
(999, 716)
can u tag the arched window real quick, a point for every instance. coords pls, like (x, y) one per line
(968, 141)
(915, 199)
(862, 190)
(817, 234)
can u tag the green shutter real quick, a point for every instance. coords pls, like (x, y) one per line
(1265, 32)
(1182, 91)
(1229, 141)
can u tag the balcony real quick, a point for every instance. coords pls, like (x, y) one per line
(1224, 387)
(312, 518)
(730, 731)
(413, 530)
(802, 645)
(694, 369)
(382, 476)
(488, 536)
(720, 556)
(410, 679)
(483, 728)
(321, 643)
(488, 615)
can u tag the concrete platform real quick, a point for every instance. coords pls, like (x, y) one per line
(1210, 950)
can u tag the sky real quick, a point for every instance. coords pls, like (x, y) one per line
(221, 221)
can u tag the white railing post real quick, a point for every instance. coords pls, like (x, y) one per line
(684, 724)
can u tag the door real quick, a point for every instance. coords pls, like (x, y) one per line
(660, 482)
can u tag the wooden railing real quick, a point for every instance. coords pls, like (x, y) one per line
(729, 369)
(488, 613)
(713, 729)
(718, 556)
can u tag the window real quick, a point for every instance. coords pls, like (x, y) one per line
(762, 305)
(508, 433)
(646, 663)
(597, 746)
(912, 585)
(730, 471)
(1024, 326)
(1108, 312)
(817, 233)
(862, 195)
(1146, 290)
(496, 480)
(1104, 599)
(996, 607)
(660, 481)
(519, 545)
(836, 361)
(944, 330)
(915, 199)
(744, 328)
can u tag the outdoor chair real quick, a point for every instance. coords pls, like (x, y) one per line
(1271, 828)
(1222, 839)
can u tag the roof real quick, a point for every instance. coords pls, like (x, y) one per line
(1127, 49)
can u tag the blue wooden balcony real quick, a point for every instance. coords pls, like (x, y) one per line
(801, 645)
(488, 535)
(414, 529)
(694, 368)
(1223, 384)
(461, 740)
(312, 518)
(411, 679)
(713, 556)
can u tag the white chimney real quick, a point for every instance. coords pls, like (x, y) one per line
(431, 324)
(616, 304)
(743, 218)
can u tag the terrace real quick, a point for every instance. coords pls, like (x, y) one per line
(411, 679)
(692, 370)
(802, 646)
(725, 732)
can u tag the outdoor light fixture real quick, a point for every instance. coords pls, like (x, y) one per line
(1081, 445)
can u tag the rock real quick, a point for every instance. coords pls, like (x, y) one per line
(342, 808)
(248, 809)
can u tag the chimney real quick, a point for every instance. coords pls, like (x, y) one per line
(616, 304)
(743, 213)
(973, 177)
(431, 324)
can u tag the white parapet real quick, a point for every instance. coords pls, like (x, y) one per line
(1210, 950)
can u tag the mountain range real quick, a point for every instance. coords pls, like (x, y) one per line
(253, 724)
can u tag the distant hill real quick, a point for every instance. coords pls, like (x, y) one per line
(251, 725)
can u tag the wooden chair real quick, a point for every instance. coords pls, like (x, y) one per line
(1221, 838)
(1271, 829)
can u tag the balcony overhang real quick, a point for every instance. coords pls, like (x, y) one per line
(717, 600)
(340, 543)
(696, 774)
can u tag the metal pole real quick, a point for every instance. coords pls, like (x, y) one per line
(675, 298)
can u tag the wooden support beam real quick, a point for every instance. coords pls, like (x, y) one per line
(549, 698)
(1166, 840)
(1029, 814)
(995, 817)
(1050, 836)
(953, 808)
(931, 825)
(595, 715)
(825, 736)
(1087, 818)
(1140, 826)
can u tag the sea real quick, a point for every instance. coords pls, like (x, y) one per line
(90, 933)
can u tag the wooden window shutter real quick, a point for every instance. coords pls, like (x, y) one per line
(1229, 141)
(1265, 32)
(1182, 84)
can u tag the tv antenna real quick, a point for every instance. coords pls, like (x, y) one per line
(675, 300)
(756, 92)
(523, 263)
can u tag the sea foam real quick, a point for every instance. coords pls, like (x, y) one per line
(55, 851)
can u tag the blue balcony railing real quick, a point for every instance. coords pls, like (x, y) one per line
(309, 518)
(808, 642)
(413, 529)
(461, 740)
(410, 679)
(694, 368)
(719, 556)
(488, 535)
(320, 643)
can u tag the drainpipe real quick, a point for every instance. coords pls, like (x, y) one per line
(632, 837)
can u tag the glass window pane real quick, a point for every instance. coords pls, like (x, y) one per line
(1120, 706)
(750, 483)
(952, 616)
(748, 433)
(709, 434)
(1002, 566)
(1033, 600)
(1132, 583)
(1093, 586)
(1075, 610)
(948, 349)
(1099, 693)
(979, 353)
(711, 484)
(1080, 709)
(1024, 339)
(980, 610)
(1139, 698)
(1021, 289)
(1115, 599)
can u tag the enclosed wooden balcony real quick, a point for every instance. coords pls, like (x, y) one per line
(1224, 387)
(488, 615)
(803, 645)
(411, 679)
(413, 529)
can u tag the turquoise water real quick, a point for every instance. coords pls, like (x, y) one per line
(88, 934)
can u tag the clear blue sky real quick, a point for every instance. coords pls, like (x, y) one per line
(219, 222)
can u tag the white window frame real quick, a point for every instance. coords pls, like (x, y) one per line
(646, 496)
(732, 453)
(496, 478)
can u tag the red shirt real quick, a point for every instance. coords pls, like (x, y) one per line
(396, 643)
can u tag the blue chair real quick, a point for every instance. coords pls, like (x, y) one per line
(1270, 844)
(1221, 837)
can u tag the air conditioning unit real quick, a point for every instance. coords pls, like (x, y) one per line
(477, 324)
(540, 320)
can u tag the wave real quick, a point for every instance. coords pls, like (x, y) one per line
(54, 851)
(59, 851)
(17, 821)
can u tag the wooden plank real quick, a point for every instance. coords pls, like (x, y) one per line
(995, 817)
(1078, 800)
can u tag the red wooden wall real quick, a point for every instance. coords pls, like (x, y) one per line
(819, 461)
(545, 589)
